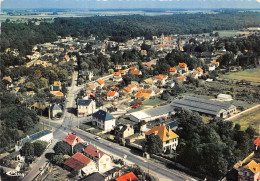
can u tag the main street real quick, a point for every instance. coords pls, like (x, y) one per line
(69, 123)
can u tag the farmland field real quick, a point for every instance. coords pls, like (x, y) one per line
(251, 75)
(250, 118)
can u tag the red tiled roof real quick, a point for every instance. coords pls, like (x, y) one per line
(163, 132)
(132, 68)
(70, 139)
(253, 166)
(129, 176)
(74, 164)
(82, 158)
(93, 152)
(111, 93)
(116, 73)
(128, 89)
(182, 78)
(135, 72)
(100, 81)
(257, 142)
(172, 69)
(182, 65)
(199, 69)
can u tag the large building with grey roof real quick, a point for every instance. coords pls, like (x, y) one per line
(206, 107)
(152, 114)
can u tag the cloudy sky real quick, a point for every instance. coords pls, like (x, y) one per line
(103, 4)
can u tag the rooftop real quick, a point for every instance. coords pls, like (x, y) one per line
(102, 115)
(129, 176)
(201, 105)
(83, 102)
(163, 132)
(94, 152)
(36, 136)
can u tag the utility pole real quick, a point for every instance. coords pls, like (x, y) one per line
(49, 114)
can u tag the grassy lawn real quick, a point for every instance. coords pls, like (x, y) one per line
(250, 118)
(252, 75)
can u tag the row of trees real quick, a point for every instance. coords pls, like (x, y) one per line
(120, 28)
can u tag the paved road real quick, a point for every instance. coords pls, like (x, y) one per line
(69, 123)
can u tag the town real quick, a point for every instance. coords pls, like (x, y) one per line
(165, 108)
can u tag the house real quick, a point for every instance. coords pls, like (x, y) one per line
(136, 72)
(160, 79)
(88, 75)
(94, 176)
(8, 79)
(162, 112)
(173, 70)
(224, 97)
(57, 83)
(129, 176)
(81, 164)
(101, 159)
(123, 131)
(55, 109)
(128, 90)
(182, 78)
(117, 74)
(72, 140)
(85, 107)
(57, 94)
(100, 83)
(118, 67)
(117, 79)
(30, 93)
(12, 162)
(111, 95)
(170, 84)
(183, 66)
(251, 172)
(168, 137)
(257, 143)
(103, 120)
(212, 67)
(173, 125)
(132, 68)
(206, 107)
(144, 93)
(200, 71)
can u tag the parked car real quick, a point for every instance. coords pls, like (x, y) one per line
(97, 138)
(135, 106)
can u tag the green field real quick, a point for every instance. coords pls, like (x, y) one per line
(251, 75)
(251, 118)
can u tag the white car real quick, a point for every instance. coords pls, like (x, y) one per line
(97, 138)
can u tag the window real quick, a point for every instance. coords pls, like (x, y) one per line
(167, 142)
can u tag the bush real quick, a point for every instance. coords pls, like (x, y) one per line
(58, 159)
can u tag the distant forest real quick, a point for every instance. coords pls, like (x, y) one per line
(120, 28)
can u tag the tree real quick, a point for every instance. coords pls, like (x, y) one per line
(153, 144)
(58, 159)
(62, 148)
(28, 152)
(165, 95)
(39, 147)
(251, 132)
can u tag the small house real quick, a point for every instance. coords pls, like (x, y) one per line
(103, 120)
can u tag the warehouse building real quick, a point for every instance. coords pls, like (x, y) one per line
(206, 107)
(152, 114)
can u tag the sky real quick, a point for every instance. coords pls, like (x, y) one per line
(128, 4)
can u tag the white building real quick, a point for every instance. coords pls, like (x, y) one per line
(103, 120)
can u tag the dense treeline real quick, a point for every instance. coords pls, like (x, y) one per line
(17, 120)
(121, 28)
(212, 148)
